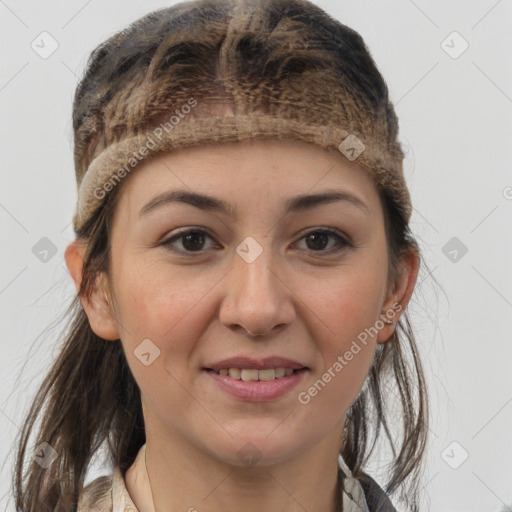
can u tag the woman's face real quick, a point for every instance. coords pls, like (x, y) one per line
(277, 273)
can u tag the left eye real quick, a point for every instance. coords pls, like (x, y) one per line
(317, 241)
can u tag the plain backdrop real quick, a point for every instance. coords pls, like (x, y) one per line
(449, 72)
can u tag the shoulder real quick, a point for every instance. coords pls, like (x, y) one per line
(97, 496)
(376, 499)
(106, 494)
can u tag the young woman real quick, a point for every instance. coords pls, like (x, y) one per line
(243, 264)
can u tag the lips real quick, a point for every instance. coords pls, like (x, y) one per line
(257, 380)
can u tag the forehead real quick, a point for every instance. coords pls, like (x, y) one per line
(248, 172)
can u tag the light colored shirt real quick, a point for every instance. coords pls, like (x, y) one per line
(109, 493)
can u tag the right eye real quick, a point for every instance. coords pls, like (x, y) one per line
(191, 240)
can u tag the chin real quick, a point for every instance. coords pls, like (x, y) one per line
(257, 449)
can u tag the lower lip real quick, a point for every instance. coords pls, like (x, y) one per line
(258, 390)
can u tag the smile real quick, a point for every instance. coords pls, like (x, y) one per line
(253, 385)
(251, 374)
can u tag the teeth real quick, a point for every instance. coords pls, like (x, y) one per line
(269, 374)
(280, 372)
(234, 373)
(251, 374)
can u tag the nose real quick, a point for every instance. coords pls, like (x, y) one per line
(257, 302)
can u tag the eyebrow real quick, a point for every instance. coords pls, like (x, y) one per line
(298, 203)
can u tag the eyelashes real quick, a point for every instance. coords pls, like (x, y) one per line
(192, 241)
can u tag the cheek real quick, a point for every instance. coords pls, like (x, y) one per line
(348, 302)
(160, 303)
(348, 307)
(346, 348)
(166, 308)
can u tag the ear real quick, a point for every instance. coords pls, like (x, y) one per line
(98, 307)
(397, 300)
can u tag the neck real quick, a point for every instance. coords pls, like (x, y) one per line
(184, 478)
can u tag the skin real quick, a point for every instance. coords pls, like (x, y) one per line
(295, 300)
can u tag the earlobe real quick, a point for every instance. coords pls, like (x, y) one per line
(98, 307)
(398, 300)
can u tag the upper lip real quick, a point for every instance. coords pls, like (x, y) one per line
(255, 364)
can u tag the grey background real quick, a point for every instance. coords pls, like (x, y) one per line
(455, 123)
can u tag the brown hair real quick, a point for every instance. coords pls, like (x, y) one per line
(89, 396)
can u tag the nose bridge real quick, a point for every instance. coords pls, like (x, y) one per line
(254, 268)
(254, 277)
(256, 299)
